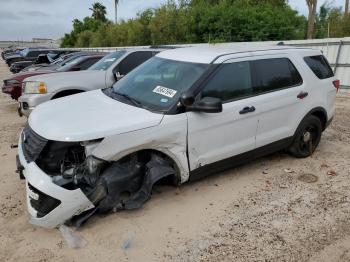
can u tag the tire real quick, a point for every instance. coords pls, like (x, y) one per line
(306, 138)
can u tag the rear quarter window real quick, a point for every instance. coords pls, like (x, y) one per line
(274, 74)
(319, 65)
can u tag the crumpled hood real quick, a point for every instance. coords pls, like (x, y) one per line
(86, 80)
(88, 116)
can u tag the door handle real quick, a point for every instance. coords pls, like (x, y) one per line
(302, 95)
(247, 110)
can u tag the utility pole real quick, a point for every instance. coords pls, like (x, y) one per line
(116, 2)
(346, 11)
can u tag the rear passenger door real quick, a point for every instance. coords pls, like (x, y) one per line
(277, 86)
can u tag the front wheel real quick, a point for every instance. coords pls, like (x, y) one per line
(306, 138)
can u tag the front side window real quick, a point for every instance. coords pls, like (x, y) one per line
(107, 61)
(158, 83)
(274, 74)
(319, 65)
(232, 81)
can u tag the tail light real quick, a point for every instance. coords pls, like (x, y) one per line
(336, 84)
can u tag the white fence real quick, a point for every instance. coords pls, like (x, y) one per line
(337, 51)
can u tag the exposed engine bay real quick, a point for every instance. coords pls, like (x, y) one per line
(110, 186)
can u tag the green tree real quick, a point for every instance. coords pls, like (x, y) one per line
(99, 12)
(194, 21)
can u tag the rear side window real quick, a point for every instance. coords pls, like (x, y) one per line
(89, 62)
(132, 61)
(274, 74)
(319, 65)
(232, 81)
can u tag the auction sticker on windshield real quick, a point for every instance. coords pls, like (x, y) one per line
(165, 91)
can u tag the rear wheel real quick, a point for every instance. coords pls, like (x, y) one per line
(307, 137)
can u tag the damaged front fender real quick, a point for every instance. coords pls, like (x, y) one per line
(127, 184)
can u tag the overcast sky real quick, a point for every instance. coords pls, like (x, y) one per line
(25, 19)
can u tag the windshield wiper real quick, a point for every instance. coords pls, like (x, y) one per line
(132, 100)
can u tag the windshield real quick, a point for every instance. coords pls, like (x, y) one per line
(68, 64)
(107, 61)
(158, 83)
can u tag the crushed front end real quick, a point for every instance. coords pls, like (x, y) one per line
(66, 183)
(49, 203)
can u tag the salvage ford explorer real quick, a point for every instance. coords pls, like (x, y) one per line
(182, 115)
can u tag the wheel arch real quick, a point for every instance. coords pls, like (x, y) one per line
(67, 92)
(321, 114)
(164, 153)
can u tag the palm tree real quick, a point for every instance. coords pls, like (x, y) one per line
(312, 5)
(116, 10)
(99, 11)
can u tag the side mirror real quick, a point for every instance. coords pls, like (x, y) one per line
(187, 99)
(207, 105)
(118, 76)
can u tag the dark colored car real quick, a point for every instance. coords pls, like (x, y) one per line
(27, 54)
(19, 66)
(42, 60)
(13, 86)
(10, 51)
(60, 61)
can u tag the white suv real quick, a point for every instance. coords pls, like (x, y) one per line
(183, 114)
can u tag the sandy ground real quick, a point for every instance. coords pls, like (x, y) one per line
(274, 209)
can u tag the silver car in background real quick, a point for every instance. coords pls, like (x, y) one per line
(103, 74)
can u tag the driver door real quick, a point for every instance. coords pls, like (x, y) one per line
(220, 136)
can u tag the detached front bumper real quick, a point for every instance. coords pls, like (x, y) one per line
(28, 102)
(49, 205)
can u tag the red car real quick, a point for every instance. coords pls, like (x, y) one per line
(13, 86)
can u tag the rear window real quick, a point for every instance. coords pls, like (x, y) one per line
(319, 65)
(275, 74)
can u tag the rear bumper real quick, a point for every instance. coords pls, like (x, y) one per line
(43, 194)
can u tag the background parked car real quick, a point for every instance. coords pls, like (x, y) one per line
(10, 51)
(13, 85)
(18, 66)
(60, 61)
(103, 74)
(28, 54)
(42, 60)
